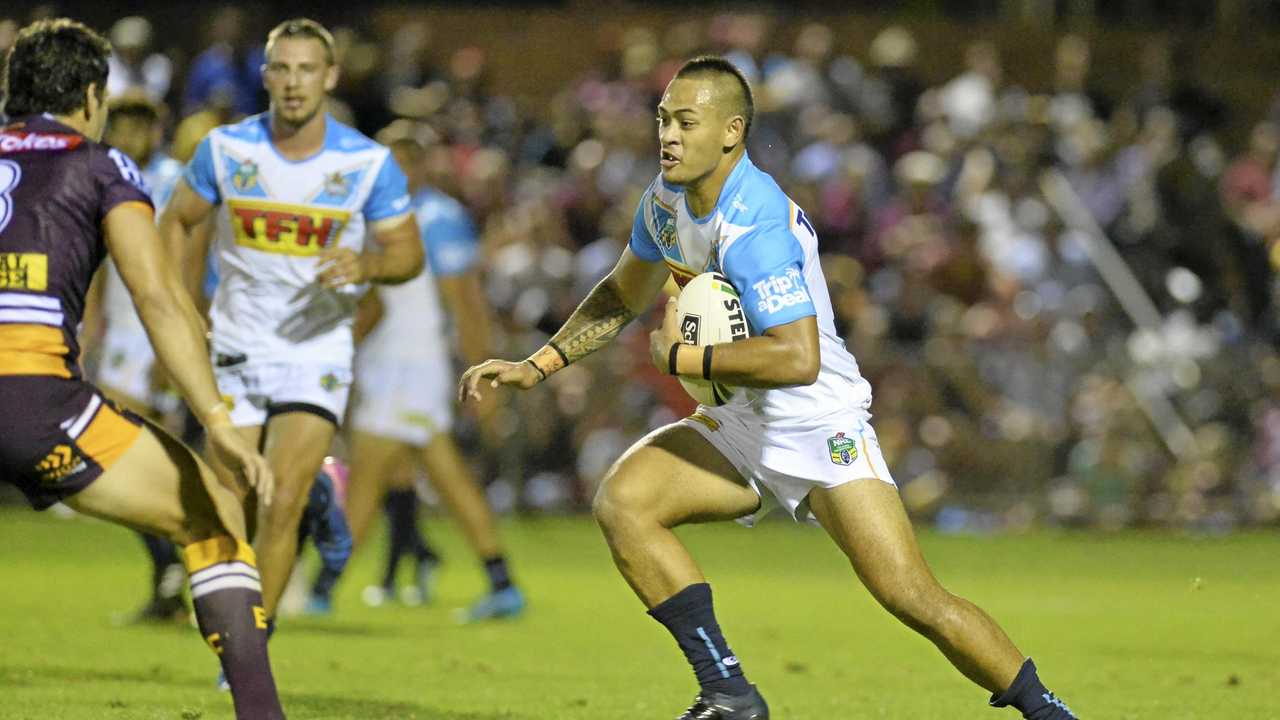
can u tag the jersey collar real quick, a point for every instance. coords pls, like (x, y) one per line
(727, 191)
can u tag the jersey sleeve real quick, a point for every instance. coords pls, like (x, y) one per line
(642, 243)
(200, 173)
(390, 194)
(452, 246)
(766, 266)
(119, 181)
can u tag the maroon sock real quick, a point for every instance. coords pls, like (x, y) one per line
(227, 595)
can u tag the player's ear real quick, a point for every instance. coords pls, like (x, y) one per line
(92, 101)
(331, 77)
(734, 131)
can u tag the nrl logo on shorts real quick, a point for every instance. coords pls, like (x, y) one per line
(329, 382)
(245, 177)
(843, 450)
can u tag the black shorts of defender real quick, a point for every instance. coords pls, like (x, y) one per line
(59, 435)
(283, 408)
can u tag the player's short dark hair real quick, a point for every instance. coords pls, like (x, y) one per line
(51, 65)
(138, 107)
(714, 65)
(303, 28)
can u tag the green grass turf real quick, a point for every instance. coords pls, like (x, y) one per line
(1129, 626)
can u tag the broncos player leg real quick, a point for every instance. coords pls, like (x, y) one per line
(67, 443)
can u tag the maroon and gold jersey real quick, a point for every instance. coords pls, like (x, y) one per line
(56, 187)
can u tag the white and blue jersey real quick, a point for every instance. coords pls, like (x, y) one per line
(785, 442)
(763, 243)
(276, 217)
(413, 326)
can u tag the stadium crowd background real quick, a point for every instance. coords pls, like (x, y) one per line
(1011, 386)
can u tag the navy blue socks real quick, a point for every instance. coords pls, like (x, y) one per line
(496, 568)
(691, 620)
(1032, 698)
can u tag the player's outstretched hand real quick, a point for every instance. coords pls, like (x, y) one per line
(660, 340)
(340, 266)
(248, 467)
(498, 372)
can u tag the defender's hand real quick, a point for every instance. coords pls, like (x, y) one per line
(341, 266)
(660, 340)
(499, 372)
(248, 467)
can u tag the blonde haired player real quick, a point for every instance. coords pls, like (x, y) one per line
(797, 436)
(295, 193)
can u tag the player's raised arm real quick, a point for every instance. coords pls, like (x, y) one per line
(177, 333)
(628, 290)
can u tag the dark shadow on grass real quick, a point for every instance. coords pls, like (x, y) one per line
(302, 705)
(327, 706)
(25, 676)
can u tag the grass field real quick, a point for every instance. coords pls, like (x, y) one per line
(1130, 626)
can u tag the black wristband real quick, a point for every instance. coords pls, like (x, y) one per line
(671, 358)
(559, 352)
(535, 367)
(706, 362)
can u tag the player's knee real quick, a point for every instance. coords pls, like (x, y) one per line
(287, 502)
(919, 604)
(620, 498)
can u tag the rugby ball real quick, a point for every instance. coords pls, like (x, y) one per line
(709, 312)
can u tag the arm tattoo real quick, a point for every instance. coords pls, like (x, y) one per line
(596, 322)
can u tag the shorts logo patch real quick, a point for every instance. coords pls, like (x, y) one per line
(843, 450)
(60, 464)
(329, 382)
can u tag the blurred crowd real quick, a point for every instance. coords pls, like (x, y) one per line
(1064, 299)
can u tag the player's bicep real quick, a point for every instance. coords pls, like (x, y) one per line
(395, 231)
(130, 233)
(800, 336)
(638, 280)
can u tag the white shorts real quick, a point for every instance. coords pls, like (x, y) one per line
(782, 466)
(405, 401)
(126, 363)
(259, 390)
